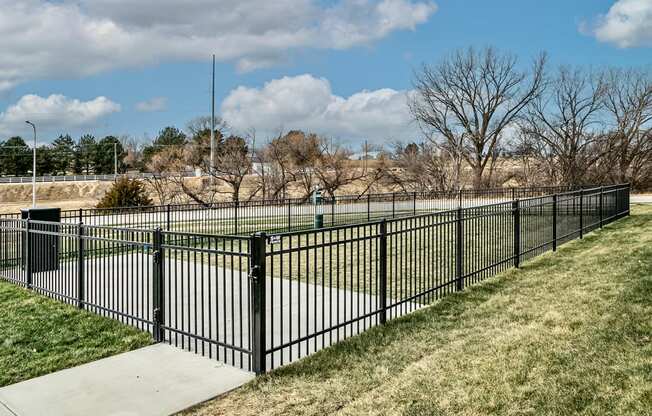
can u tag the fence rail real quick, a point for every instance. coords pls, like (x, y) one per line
(262, 300)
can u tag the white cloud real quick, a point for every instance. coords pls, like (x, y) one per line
(628, 23)
(54, 112)
(43, 39)
(152, 105)
(308, 103)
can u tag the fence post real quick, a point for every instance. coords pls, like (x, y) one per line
(368, 207)
(80, 266)
(167, 220)
(581, 212)
(158, 297)
(516, 213)
(459, 255)
(393, 204)
(554, 222)
(289, 203)
(627, 193)
(28, 254)
(257, 249)
(414, 203)
(601, 214)
(237, 207)
(333, 210)
(81, 215)
(383, 271)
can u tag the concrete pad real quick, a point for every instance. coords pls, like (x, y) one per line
(155, 380)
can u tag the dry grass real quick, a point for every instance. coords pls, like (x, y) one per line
(569, 333)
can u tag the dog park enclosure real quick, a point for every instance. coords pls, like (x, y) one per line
(255, 285)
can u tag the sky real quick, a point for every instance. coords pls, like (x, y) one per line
(340, 68)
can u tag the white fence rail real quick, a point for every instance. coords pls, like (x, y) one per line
(77, 178)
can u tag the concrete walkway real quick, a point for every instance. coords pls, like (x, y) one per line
(641, 199)
(155, 380)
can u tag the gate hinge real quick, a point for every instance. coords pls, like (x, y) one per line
(157, 316)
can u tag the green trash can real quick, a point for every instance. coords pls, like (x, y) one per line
(319, 209)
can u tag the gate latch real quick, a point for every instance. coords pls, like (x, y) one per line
(253, 273)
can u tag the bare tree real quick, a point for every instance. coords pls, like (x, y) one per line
(334, 170)
(273, 168)
(232, 164)
(469, 99)
(418, 167)
(134, 157)
(166, 180)
(303, 152)
(628, 146)
(565, 124)
(201, 126)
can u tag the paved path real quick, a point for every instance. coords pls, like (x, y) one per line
(641, 199)
(155, 380)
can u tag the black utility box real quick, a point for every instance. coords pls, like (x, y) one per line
(44, 245)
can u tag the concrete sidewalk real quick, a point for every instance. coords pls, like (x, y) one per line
(641, 199)
(155, 380)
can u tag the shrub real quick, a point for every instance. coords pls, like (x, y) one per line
(125, 192)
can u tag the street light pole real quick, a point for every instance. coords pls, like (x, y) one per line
(33, 166)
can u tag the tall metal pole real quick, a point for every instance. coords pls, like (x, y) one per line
(115, 160)
(33, 166)
(212, 160)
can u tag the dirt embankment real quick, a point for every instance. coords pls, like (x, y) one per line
(65, 195)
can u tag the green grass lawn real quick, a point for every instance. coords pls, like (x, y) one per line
(568, 333)
(39, 335)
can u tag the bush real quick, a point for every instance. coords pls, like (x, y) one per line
(125, 192)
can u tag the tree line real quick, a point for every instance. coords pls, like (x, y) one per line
(486, 121)
(485, 118)
(63, 156)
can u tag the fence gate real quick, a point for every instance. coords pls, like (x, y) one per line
(204, 292)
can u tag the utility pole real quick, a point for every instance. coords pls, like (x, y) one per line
(33, 166)
(115, 160)
(212, 160)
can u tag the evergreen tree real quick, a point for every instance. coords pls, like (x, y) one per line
(63, 154)
(125, 192)
(85, 155)
(16, 157)
(45, 164)
(104, 159)
(169, 136)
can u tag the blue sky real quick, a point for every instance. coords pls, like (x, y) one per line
(321, 67)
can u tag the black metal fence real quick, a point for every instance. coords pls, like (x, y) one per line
(246, 217)
(263, 300)
(314, 288)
